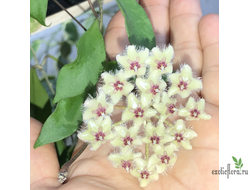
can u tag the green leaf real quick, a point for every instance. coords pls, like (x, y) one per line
(236, 167)
(241, 165)
(110, 66)
(239, 161)
(38, 95)
(234, 159)
(63, 122)
(138, 26)
(70, 32)
(84, 72)
(65, 49)
(34, 25)
(40, 114)
(38, 9)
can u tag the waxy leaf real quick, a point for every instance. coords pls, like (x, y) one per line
(38, 95)
(234, 159)
(139, 29)
(74, 78)
(38, 9)
(63, 122)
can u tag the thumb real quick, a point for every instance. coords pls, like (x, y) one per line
(44, 166)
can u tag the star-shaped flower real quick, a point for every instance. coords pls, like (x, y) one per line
(125, 158)
(151, 88)
(97, 108)
(183, 82)
(181, 136)
(97, 133)
(194, 110)
(136, 111)
(161, 59)
(166, 107)
(134, 61)
(145, 170)
(126, 137)
(155, 135)
(116, 86)
(166, 155)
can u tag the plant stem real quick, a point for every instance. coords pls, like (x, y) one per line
(100, 2)
(147, 151)
(120, 107)
(62, 176)
(70, 14)
(40, 68)
(93, 9)
(116, 124)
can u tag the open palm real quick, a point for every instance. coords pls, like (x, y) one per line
(196, 42)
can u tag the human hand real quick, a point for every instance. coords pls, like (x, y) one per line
(196, 42)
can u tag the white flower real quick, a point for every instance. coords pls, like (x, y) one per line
(155, 135)
(134, 61)
(183, 83)
(194, 110)
(145, 170)
(166, 107)
(126, 137)
(151, 88)
(97, 108)
(181, 136)
(125, 158)
(166, 155)
(161, 59)
(97, 133)
(116, 86)
(136, 111)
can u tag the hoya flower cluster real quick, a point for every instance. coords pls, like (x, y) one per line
(149, 135)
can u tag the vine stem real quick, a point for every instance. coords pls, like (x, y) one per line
(70, 14)
(93, 9)
(147, 151)
(40, 68)
(62, 176)
(100, 2)
(120, 107)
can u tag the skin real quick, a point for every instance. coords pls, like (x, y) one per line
(196, 42)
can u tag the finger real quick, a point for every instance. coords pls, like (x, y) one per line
(184, 18)
(116, 37)
(44, 166)
(209, 35)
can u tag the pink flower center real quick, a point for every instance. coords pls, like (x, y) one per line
(178, 137)
(154, 89)
(194, 113)
(99, 136)
(144, 175)
(182, 85)
(138, 112)
(127, 141)
(118, 85)
(165, 159)
(161, 65)
(171, 108)
(155, 139)
(126, 165)
(100, 111)
(135, 66)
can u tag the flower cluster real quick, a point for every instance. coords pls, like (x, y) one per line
(151, 102)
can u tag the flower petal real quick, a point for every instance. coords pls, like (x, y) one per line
(157, 53)
(143, 54)
(183, 112)
(127, 88)
(134, 130)
(92, 126)
(110, 136)
(137, 142)
(115, 158)
(123, 60)
(154, 176)
(86, 136)
(117, 142)
(142, 84)
(141, 71)
(132, 53)
(195, 84)
(190, 103)
(184, 93)
(150, 113)
(106, 124)
(169, 53)
(140, 163)
(201, 104)
(186, 144)
(174, 78)
(121, 131)
(132, 101)
(96, 145)
(135, 173)
(179, 125)
(161, 168)
(116, 97)
(204, 116)
(189, 134)
(87, 114)
(144, 182)
(152, 161)
(146, 99)
(160, 107)
(173, 90)
(127, 115)
(186, 72)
